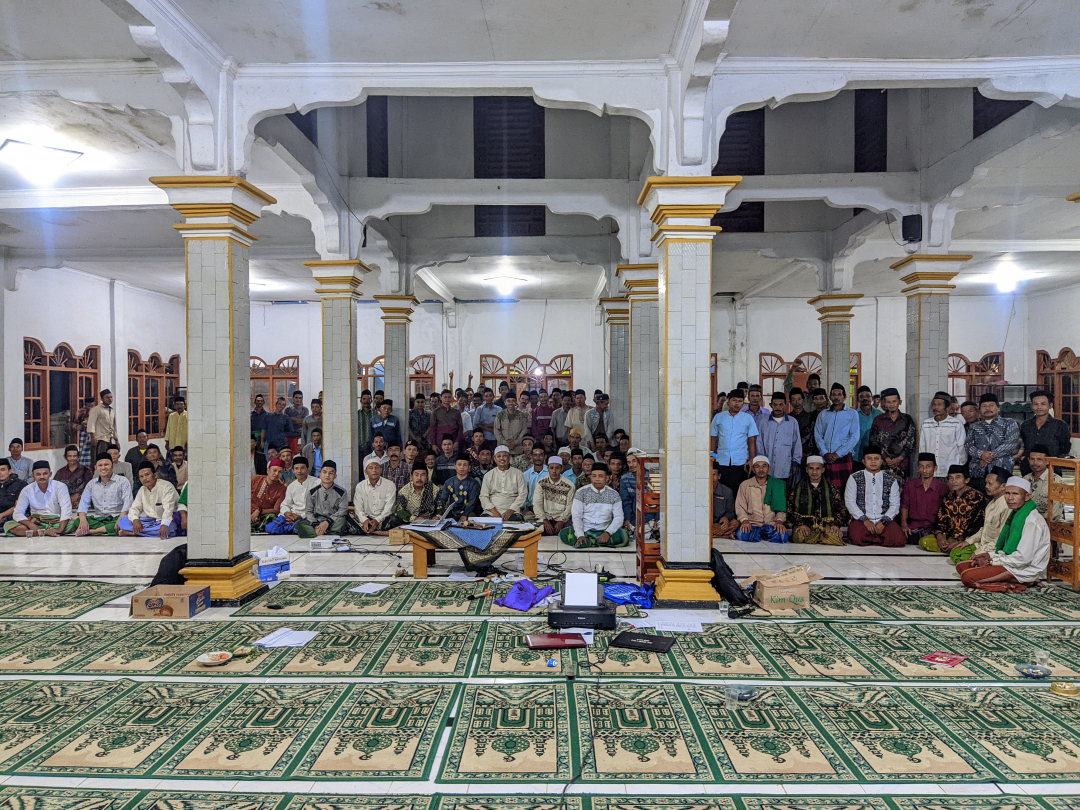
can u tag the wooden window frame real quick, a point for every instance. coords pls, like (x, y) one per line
(521, 374)
(38, 363)
(286, 369)
(421, 375)
(141, 373)
(989, 369)
(1051, 375)
(772, 368)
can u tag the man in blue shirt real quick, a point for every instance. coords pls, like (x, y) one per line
(781, 442)
(484, 416)
(867, 414)
(386, 423)
(734, 441)
(837, 435)
(755, 400)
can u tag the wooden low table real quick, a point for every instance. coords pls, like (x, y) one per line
(423, 552)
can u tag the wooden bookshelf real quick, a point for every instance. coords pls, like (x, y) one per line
(1065, 535)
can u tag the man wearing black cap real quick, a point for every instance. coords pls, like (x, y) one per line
(872, 498)
(920, 500)
(836, 434)
(991, 442)
(959, 516)
(327, 507)
(43, 508)
(598, 420)
(895, 433)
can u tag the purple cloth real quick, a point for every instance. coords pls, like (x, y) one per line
(523, 595)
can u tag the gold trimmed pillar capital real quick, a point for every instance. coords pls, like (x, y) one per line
(929, 273)
(214, 207)
(616, 310)
(338, 278)
(642, 281)
(835, 308)
(683, 207)
(397, 308)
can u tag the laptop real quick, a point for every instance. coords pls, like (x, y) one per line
(433, 523)
(643, 641)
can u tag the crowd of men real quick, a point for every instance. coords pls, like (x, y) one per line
(805, 468)
(826, 473)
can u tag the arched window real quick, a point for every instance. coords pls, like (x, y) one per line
(963, 373)
(527, 373)
(152, 384)
(372, 376)
(773, 371)
(279, 380)
(55, 385)
(1061, 377)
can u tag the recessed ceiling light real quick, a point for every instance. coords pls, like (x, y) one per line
(41, 165)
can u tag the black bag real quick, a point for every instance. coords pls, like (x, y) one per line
(725, 583)
(168, 572)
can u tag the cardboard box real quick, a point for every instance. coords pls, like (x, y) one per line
(784, 590)
(170, 602)
(271, 563)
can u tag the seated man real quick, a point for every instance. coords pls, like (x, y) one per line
(373, 500)
(152, 510)
(10, 487)
(74, 476)
(181, 510)
(398, 471)
(267, 495)
(960, 514)
(1022, 551)
(178, 464)
(536, 470)
(761, 506)
(313, 452)
(503, 491)
(104, 500)
(553, 498)
(327, 507)
(1039, 478)
(815, 509)
(724, 522)
(415, 500)
(462, 491)
(121, 468)
(585, 478)
(378, 451)
(292, 508)
(445, 462)
(525, 460)
(984, 541)
(596, 514)
(872, 499)
(43, 508)
(484, 465)
(920, 500)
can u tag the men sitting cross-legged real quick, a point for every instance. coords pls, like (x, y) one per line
(815, 509)
(995, 514)
(503, 491)
(326, 510)
(920, 500)
(43, 508)
(373, 499)
(724, 521)
(872, 498)
(761, 506)
(292, 508)
(10, 487)
(267, 495)
(462, 492)
(960, 514)
(553, 498)
(1022, 551)
(597, 514)
(152, 510)
(415, 500)
(105, 499)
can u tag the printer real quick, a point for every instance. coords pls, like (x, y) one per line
(583, 605)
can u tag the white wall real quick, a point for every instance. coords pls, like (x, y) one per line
(1054, 323)
(281, 330)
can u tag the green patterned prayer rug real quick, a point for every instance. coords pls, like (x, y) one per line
(429, 597)
(66, 599)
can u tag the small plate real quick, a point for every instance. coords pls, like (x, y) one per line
(211, 659)
(1033, 670)
(1065, 689)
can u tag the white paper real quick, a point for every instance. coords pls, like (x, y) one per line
(518, 526)
(369, 588)
(665, 624)
(460, 576)
(580, 590)
(434, 527)
(493, 521)
(286, 637)
(586, 633)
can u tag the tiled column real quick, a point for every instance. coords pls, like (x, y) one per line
(646, 405)
(217, 212)
(835, 316)
(397, 310)
(682, 209)
(617, 314)
(339, 288)
(926, 279)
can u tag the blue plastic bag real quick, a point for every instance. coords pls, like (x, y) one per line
(523, 595)
(628, 593)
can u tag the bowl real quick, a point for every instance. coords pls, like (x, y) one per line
(1033, 670)
(1064, 689)
(215, 659)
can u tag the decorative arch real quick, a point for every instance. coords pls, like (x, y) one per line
(527, 372)
(281, 379)
(372, 376)
(773, 370)
(964, 373)
(152, 384)
(55, 385)
(1061, 377)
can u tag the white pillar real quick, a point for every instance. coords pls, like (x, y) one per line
(835, 316)
(617, 314)
(397, 310)
(646, 405)
(339, 288)
(682, 209)
(217, 212)
(926, 279)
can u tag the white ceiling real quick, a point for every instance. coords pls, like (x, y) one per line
(63, 29)
(540, 277)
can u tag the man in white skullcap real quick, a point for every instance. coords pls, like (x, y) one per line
(1023, 547)
(553, 498)
(503, 491)
(761, 506)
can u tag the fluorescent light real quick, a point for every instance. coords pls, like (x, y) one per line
(1006, 276)
(41, 165)
(504, 285)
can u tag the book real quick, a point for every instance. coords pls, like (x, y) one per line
(943, 659)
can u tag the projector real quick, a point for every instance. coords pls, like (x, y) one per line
(600, 615)
(321, 543)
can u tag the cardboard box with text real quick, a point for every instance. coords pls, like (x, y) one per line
(782, 590)
(170, 602)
